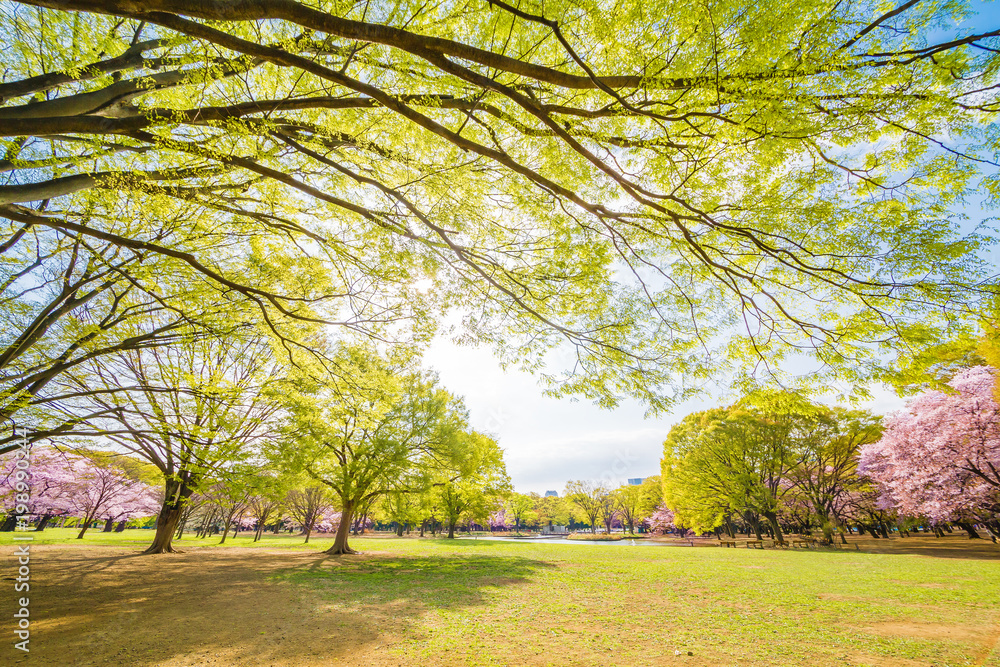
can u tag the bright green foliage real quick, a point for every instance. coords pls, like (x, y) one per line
(762, 455)
(471, 492)
(402, 507)
(367, 425)
(652, 495)
(520, 508)
(592, 498)
(665, 190)
(554, 510)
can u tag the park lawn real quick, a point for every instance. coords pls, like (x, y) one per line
(435, 601)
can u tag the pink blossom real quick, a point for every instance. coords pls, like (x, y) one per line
(940, 457)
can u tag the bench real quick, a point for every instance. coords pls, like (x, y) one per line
(727, 543)
(754, 544)
(801, 543)
(780, 543)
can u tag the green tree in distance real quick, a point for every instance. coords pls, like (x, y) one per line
(361, 430)
(521, 509)
(471, 492)
(590, 497)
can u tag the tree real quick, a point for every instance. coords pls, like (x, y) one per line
(629, 503)
(499, 519)
(189, 409)
(826, 462)
(590, 497)
(652, 495)
(656, 201)
(309, 505)
(520, 510)
(608, 509)
(736, 459)
(360, 430)
(266, 500)
(661, 520)
(401, 507)
(43, 487)
(230, 496)
(940, 457)
(472, 490)
(553, 510)
(103, 488)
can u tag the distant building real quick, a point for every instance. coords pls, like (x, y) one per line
(634, 481)
(551, 494)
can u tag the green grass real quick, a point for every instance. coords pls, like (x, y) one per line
(765, 608)
(502, 603)
(143, 537)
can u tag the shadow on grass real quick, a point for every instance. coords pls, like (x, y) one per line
(412, 584)
(243, 606)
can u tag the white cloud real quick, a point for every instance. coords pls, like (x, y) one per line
(548, 441)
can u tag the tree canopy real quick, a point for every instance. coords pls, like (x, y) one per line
(762, 456)
(655, 187)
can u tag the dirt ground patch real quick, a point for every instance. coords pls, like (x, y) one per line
(936, 631)
(208, 607)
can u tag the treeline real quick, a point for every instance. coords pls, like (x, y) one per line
(776, 463)
(237, 420)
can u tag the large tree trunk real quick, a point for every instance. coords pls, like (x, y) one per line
(120, 527)
(340, 546)
(176, 494)
(109, 525)
(87, 521)
(399, 529)
(451, 528)
(43, 523)
(969, 528)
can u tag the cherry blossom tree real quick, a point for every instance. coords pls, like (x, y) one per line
(940, 457)
(101, 488)
(499, 520)
(51, 476)
(141, 500)
(67, 484)
(660, 521)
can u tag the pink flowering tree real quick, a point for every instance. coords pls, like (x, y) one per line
(499, 520)
(102, 489)
(66, 484)
(940, 457)
(660, 521)
(140, 501)
(52, 477)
